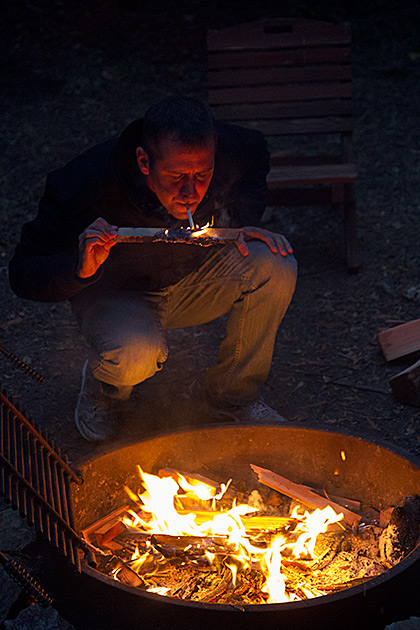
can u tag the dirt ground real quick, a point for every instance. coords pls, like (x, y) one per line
(76, 73)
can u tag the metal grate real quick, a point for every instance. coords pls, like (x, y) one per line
(35, 479)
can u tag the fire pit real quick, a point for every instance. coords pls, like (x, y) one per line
(377, 475)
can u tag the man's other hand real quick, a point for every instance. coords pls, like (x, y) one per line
(94, 246)
(276, 242)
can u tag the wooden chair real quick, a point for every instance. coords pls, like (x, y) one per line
(291, 79)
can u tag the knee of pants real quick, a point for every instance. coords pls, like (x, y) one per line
(274, 270)
(129, 359)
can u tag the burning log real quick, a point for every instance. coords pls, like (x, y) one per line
(229, 555)
(190, 478)
(187, 546)
(302, 494)
(402, 533)
(201, 236)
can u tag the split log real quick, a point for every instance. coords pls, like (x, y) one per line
(250, 522)
(106, 528)
(351, 504)
(188, 546)
(400, 340)
(191, 479)
(302, 494)
(406, 386)
(103, 531)
(126, 575)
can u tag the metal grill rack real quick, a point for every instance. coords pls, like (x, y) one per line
(35, 479)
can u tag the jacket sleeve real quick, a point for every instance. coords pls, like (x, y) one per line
(44, 264)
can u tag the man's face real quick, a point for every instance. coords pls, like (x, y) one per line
(180, 176)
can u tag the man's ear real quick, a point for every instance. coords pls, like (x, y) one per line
(143, 161)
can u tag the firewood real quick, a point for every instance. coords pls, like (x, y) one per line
(250, 522)
(183, 546)
(128, 576)
(172, 472)
(100, 528)
(406, 385)
(400, 340)
(351, 504)
(302, 494)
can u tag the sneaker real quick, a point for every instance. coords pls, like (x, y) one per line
(95, 414)
(256, 413)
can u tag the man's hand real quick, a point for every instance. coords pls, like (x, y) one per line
(94, 246)
(276, 242)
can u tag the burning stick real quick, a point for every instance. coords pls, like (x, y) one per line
(190, 478)
(199, 236)
(302, 494)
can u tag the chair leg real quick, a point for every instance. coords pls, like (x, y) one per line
(350, 228)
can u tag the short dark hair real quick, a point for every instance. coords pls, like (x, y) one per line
(184, 119)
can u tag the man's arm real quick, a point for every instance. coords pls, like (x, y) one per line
(95, 243)
(276, 242)
(46, 265)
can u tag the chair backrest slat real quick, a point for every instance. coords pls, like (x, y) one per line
(260, 76)
(282, 76)
(284, 110)
(291, 127)
(292, 57)
(278, 93)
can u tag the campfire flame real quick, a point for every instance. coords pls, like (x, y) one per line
(162, 511)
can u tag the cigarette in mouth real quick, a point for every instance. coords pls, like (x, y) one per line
(190, 218)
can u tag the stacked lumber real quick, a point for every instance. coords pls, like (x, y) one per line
(397, 342)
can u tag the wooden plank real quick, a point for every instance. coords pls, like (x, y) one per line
(311, 174)
(288, 109)
(284, 33)
(400, 340)
(278, 93)
(301, 126)
(302, 494)
(260, 76)
(104, 524)
(297, 57)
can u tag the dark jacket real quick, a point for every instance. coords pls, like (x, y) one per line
(105, 181)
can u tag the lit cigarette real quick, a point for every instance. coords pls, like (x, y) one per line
(190, 218)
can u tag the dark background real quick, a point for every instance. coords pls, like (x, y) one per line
(75, 73)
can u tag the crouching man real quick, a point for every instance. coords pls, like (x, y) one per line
(125, 296)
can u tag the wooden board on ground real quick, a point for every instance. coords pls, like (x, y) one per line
(400, 340)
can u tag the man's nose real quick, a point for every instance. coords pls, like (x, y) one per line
(188, 189)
